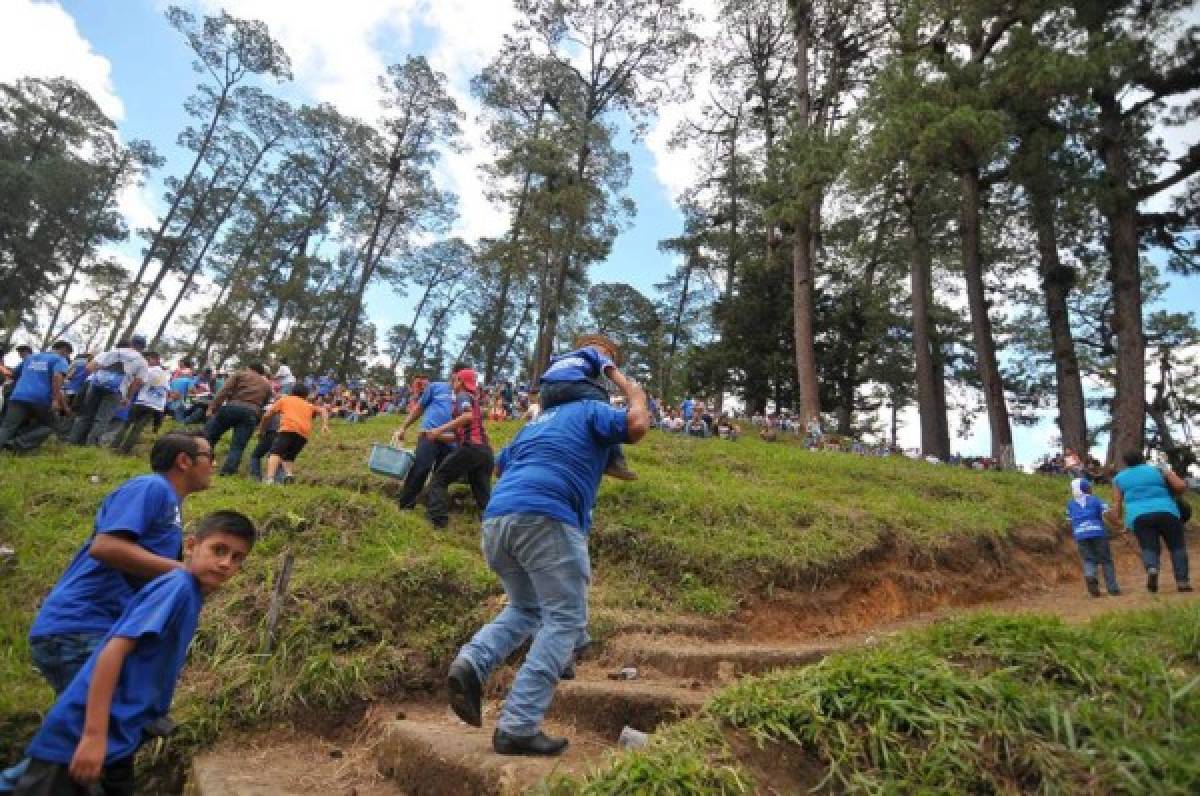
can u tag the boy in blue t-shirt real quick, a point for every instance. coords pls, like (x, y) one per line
(94, 729)
(580, 376)
(1086, 512)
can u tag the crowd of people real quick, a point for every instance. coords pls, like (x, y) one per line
(112, 635)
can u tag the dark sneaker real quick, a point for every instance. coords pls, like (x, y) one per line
(466, 692)
(569, 672)
(1114, 592)
(1093, 586)
(540, 745)
(620, 472)
(1152, 581)
(1185, 586)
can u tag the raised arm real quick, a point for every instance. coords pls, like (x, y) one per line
(637, 418)
(87, 764)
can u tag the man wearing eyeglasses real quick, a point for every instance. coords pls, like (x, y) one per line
(137, 536)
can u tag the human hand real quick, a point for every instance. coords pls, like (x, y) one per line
(398, 437)
(87, 764)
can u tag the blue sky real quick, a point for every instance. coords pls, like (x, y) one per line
(151, 74)
(139, 67)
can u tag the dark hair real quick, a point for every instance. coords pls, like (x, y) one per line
(124, 343)
(233, 523)
(186, 362)
(300, 390)
(148, 354)
(457, 366)
(1133, 458)
(168, 447)
(258, 368)
(63, 344)
(23, 347)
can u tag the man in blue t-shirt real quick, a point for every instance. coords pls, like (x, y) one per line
(90, 736)
(434, 407)
(137, 536)
(472, 460)
(535, 538)
(37, 393)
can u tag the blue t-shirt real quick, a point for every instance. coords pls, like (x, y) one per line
(36, 380)
(90, 595)
(1087, 520)
(1144, 491)
(78, 375)
(689, 408)
(583, 365)
(325, 386)
(554, 465)
(437, 405)
(162, 618)
(181, 385)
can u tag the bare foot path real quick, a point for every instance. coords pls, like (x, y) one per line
(421, 749)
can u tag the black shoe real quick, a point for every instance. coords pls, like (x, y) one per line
(1114, 593)
(1185, 586)
(569, 672)
(466, 692)
(1152, 581)
(621, 472)
(1093, 587)
(535, 745)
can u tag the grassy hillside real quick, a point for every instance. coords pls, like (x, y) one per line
(378, 600)
(982, 705)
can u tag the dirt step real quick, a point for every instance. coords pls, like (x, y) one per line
(431, 753)
(287, 764)
(605, 706)
(657, 625)
(710, 661)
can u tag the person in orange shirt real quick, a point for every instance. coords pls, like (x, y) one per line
(295, 426)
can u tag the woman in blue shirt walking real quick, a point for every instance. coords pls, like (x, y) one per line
(1146, 498)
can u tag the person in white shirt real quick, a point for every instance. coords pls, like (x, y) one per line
(150, 404)
(283, 375)
(117, 377)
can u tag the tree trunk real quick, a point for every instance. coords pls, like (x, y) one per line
(932, 418)
(84, 248)
(168, 262)
(184, 187)
(803, 309)
(369, 260)
(1120, 211)
(981, 323)
(216, 228)
(1056, 284)
(693, 256)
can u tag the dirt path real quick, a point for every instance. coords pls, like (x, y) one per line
(420, 748)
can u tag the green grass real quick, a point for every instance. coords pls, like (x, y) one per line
(987, 704)
(378, 601)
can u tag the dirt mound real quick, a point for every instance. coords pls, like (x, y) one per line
(897, 581)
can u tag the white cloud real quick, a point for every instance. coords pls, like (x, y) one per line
(40, 39)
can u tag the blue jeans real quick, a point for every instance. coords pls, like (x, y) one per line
(95, 417)
(1152, 530)
(1096, 554)
(58, 658)
(544, 566)
(243, 420)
